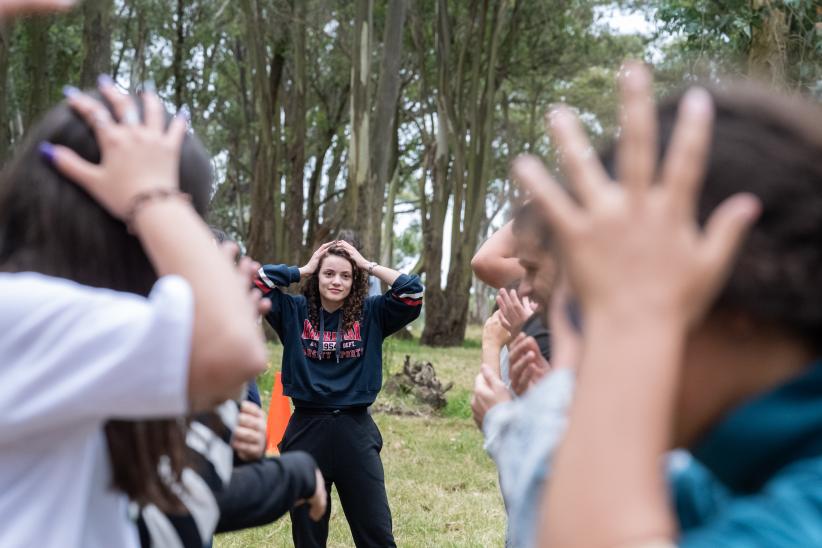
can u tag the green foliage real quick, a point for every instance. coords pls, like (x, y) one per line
(459, 404)
(706, 38)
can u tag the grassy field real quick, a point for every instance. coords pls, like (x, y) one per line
(441, 485)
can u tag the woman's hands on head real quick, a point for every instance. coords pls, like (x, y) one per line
(136, 157)
(635, 247)
(314, 262)
(355, 255)
(142, 159)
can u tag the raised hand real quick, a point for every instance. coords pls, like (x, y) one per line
(355, 255)
(635, 247)
(249, 436)
(314, 262)
(136, 157)
(526, 364)
(514, 312)
(493, 331)
(488, 392)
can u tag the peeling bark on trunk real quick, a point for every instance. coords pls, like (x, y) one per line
(359, 156)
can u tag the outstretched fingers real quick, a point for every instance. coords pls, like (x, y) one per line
(125, 109)
(93, 112)
(686, 157)
(553, 201)
(636, 152)
(577, 155)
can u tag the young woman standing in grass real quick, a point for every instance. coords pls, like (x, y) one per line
(332, 338)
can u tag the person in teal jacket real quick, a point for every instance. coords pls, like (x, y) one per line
(696, 258)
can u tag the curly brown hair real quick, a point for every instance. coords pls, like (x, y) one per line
(353, 304)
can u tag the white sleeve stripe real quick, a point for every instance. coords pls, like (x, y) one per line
(411, 295)
(160, 529)
(203, 440)
(200, 503)
(229, 413)
(266, 280)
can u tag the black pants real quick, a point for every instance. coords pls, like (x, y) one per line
(347, 448)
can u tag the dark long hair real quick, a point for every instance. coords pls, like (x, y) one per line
(51, 226)
(769, 145)
(353, 304)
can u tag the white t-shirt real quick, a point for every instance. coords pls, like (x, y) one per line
(72, 357)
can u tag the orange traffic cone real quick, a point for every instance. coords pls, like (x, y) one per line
(279, 411)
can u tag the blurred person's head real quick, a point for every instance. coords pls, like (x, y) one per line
(50, 225)
(766, 322)
(351, 236)
(337, 283)
(536, 254)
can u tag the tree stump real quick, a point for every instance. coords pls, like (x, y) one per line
(420, 380)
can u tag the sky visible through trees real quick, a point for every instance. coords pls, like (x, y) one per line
(397, 118)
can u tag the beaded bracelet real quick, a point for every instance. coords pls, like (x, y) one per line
(142, 199)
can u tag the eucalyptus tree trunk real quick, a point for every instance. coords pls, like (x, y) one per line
(359, 155)
(265, 224)
(97, 26)
(37, 68)
(388, 94)
(5, 121)
(179, 49)
(467, 114)
(295, 125)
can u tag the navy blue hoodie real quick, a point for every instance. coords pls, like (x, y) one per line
(327, 375)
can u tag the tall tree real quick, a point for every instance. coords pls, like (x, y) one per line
(466, 106)
(5, 121)
(295, 116)
(37, 67)
(266, 225)
(97, 27)
(387, 96)
(359, 155)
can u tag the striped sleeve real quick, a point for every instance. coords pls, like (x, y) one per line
(271, 279)
(208, 473)
(401, 305)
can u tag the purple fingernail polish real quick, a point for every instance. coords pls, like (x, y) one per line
(184, 113)
(70, 91)
(46, 151)
(104, 80)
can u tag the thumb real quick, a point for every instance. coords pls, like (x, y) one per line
(726, 229)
